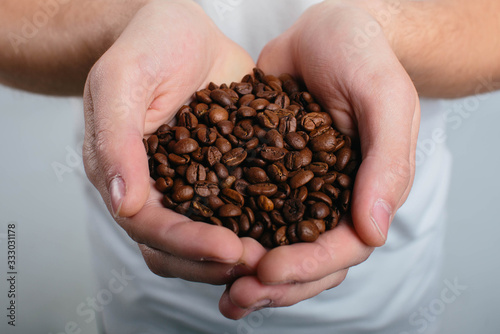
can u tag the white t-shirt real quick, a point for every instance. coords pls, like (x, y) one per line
(381, 295)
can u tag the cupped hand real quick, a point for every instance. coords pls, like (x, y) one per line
(169, 50)
(371, 98)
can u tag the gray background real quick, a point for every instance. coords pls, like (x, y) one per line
(53, 256)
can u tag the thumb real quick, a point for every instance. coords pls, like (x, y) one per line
(114, 155)
(388, 123)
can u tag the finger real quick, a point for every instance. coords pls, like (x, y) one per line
(276, 57)
(333, 251)
(114, 155)
(388, 122)
(247, 294)
(167, 265)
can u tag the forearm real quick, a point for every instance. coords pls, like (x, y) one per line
(450, 48)
(49, 47)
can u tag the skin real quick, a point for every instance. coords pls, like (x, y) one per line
(136, 69)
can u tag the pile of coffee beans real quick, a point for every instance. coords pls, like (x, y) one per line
(259, 157)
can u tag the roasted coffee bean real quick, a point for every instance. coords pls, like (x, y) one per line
(206, 136)
(231, 196)
(181, 170)
(345, 198)
(330, 177)
(234, 157)
(163, 185)
(320, 224)
(184, 208)
(274, 138)
(256, 175)
(318, 168)
(241, 186)
(300, 193)
(278, 203)
(266, 189)
(301, 178)
(221, 171)
(344, 180)
(324, 142)
(223, 145)
(201, 209)
(293, 210)
(272, 154)
(161, 158)
(217, 114)
(343, 156)
(245, 100)
(246, 112)
(243, 88)
(296, 141)
(244, 224)
(265, 204)
(212, 177)
(252, 143)
(168, 202)
(332, 220)
(187, 119)
(319, 196)
(244, 130)
(228, 182)
(178, 159)
(277, 172)
(205, 188)
(229, 210)
(236, 172)
(315, 120)
(268, 119)
(221, 97)
(287, 124)
(256, 230)
(329, 158)
(165, 171)
(225, 127)
(195, 172)
(203, 96)
(307, 231)
(183, 194)
(319, 210)
(181, 132)
(231, 224)
(280, 237)
(316, 184)
(331, 191)
(152, 144)
(213, 155)
(277, 218)
(198, 155)
(185, 146)
(259, 104)
(214, 202)
(291, 233)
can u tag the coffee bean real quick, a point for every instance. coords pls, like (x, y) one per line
(229, 210)
(206, 188)
(268, 119)
(277, 172)
(266, 189)
(185, 146)
(152, 144)
(195, 172)
(231, 196)
(319, 210)
(343, 156)
(280, 236)
(183, 194)
(296, 141)
(293, 210)
(221, 97)
(234, 157)
(301, 179)
(256, 175)
(265, 203)
(307, 231)
(272, 154)
(319, 196)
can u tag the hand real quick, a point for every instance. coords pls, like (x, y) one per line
(169, 50)
(371, 98)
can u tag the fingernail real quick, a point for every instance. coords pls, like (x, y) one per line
(117, 192)
(381, 217)
(257, 306)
